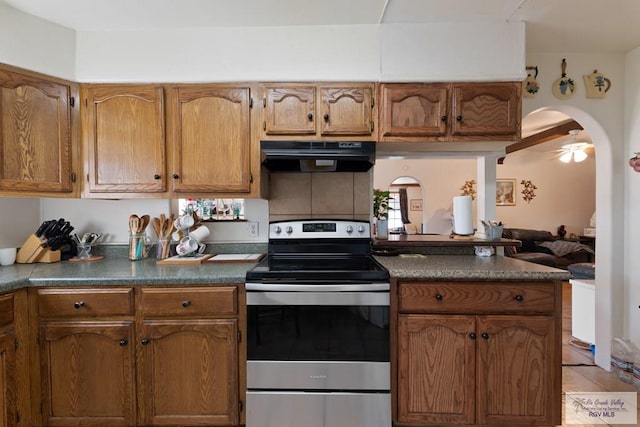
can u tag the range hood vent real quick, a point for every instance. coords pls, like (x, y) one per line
(318, 156)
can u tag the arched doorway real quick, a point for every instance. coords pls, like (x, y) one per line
(410, 217)
(609, 306)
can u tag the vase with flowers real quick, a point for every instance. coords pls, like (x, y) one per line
(381, 210)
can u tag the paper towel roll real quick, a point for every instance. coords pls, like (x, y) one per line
(462, 215)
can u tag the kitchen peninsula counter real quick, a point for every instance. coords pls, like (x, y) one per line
(467, 267)
(439, 240)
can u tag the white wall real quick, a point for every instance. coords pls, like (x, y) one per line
(632, 194)
(111, 217)
(452, 51)
(230, 54)
(565, 195)
(349, 52)
(37, 45)
(18, 218)
(603, 119)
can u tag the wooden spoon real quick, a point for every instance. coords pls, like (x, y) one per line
(144, 221)
(157, 226)
(134, 223)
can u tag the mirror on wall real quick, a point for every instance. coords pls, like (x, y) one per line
(406, 215)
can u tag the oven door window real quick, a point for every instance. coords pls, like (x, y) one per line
(322, 332)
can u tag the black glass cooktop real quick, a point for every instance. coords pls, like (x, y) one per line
(317, 268)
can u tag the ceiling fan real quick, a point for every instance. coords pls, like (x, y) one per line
(578, 150)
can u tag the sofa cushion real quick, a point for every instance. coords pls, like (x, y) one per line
(528, 235)
(582, 270)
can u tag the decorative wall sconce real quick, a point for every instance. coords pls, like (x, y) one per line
(528, 190)
(634, 162)
(468, 189)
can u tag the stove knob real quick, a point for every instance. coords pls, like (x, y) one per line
(289, 229)
(277, 229)
(361, 228)
(349, 229)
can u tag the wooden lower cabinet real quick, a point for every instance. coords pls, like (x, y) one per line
(87, 373)
(187, 372)
(482, 369)
(7, 378)
(8, 344)
(138, 356)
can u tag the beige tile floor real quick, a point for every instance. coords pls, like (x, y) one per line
(579, 374)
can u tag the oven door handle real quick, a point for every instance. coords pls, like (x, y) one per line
(310, 287)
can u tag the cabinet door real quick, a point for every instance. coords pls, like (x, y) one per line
(436, 369)
(413, 111)
(517, 375)
(126, 138)
(35, 134)
(347, 110)
(290, 110)
(7, 378)
(87, 373)
(212, 139)
(486, 109)
(188, 371)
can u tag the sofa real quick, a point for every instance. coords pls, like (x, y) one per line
(542, 247)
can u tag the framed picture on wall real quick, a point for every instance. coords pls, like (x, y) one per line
(415, 205)
(505, 192)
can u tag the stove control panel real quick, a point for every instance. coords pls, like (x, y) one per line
(320, 229)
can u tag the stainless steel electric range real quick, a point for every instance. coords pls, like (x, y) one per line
(318, 329)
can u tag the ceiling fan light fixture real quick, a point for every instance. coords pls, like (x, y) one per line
(566, 157)
(579, 156)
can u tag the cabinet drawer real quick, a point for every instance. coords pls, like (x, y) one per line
(85, 302)
(477, 298)
(6, 309)
(189, 301)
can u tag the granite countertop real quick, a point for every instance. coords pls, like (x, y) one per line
(120, 271)
(467, 267)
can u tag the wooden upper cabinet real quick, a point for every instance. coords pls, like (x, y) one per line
(486, 109)
(319, 111)
(125, 136)
(35, 133)
(290, 110)
(211, 138)
(347, 110)
(413, 110)
(450, 112)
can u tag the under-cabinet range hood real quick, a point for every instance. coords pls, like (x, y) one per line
(318, 156)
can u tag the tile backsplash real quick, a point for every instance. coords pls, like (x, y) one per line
(340, 195)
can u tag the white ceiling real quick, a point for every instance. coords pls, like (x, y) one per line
(552, 25)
